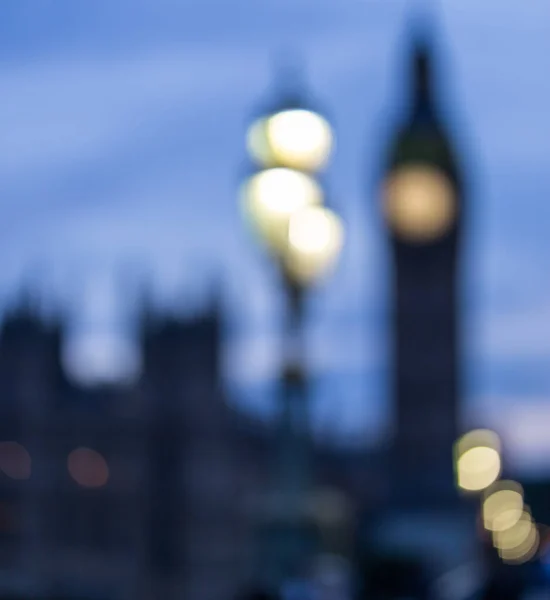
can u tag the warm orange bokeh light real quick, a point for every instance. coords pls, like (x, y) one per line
(88, 467)
(15, 461)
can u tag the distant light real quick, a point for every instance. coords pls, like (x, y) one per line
(478, 468)
(313, 230)
(478, 462)
(503, 507)
(15, 461)
(300, 139)
(295, 138)
(524, 552)
(315, 238)
(101, 358)
(419, 203)
(514, 536)
(476, 438)
(272, 196)
(88, 468)
(519, 542)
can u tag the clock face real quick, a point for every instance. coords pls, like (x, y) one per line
(419, 203)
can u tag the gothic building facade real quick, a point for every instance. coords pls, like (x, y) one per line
(122, 492)
(133, 492)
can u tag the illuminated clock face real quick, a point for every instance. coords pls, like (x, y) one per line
(419, 203)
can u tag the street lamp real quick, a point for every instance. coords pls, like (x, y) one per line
(284, 203)
(271, 197)
(315, 237)
(296, 137)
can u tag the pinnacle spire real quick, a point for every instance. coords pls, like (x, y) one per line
(422, 27)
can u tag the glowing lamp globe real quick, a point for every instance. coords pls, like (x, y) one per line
(315, 239)
(257, 144)
(419, 203)
(272, 196)
(295, 138)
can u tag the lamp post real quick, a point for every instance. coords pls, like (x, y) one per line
(283, 200)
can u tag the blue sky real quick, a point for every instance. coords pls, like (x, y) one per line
(122, 128)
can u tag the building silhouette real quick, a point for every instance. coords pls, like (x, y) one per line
(165, 522)
(425, 310)
(423, 202)
(137, 491)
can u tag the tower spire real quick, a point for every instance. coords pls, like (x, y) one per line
(421, 66)
(423, 18)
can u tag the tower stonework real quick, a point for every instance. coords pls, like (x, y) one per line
(425, 309)
(192, 462)
(29, 376)
(170, 521)
(423, 202)
(186, 472)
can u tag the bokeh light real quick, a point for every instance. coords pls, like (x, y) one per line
(315, 238)
(503, 506)
(301, 139)
(518, 543)
(478, 437)
(272, 196)
(525, 551)
(15, 461)
(478, 462)
(478, 468)
(419, 203)
(514, 536)
(88, 468)
(296, 138)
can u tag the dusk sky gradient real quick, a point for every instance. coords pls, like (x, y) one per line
(122, 142)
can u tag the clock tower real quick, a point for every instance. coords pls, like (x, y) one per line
(422, 200)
